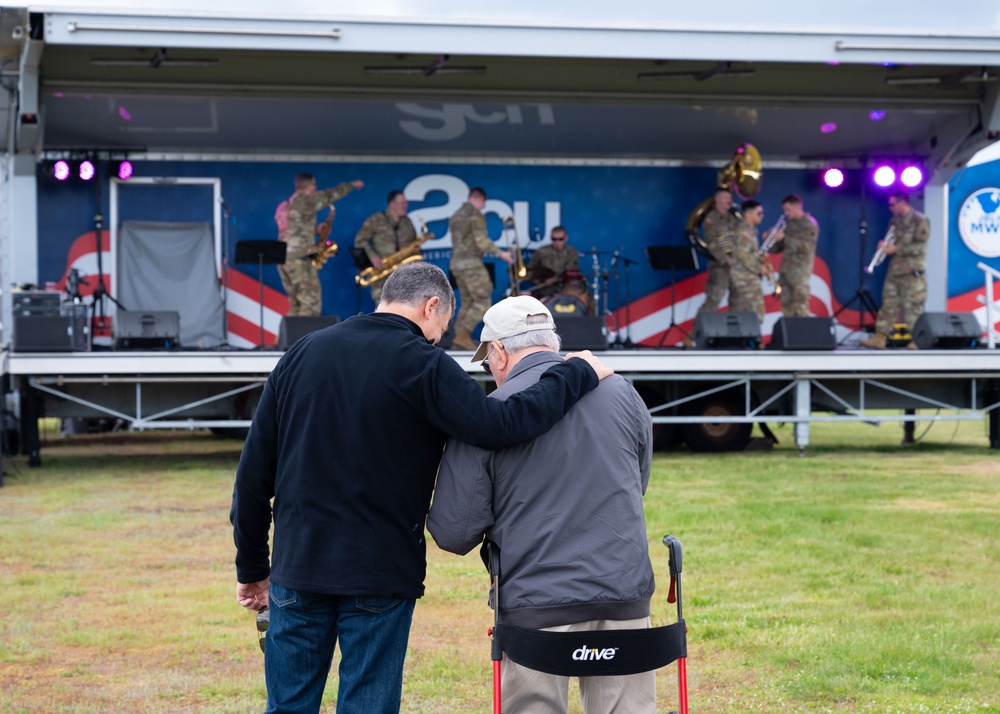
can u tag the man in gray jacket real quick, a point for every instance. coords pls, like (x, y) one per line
(565, 512)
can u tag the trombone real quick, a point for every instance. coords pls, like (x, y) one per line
(880, 254)
(516, 270)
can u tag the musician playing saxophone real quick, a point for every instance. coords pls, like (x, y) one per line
(385, 233)
(719, 231)
(296, 219)
(797, 243)
(905, 288)
(745, 292)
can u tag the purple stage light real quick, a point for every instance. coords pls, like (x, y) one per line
(87, 170)
(125, 170)
(884, 176)
(911, 177)
(828, 128)
(60, 170)
(876, 115)
(833, 178)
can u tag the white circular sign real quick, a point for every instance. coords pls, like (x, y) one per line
(979, 222)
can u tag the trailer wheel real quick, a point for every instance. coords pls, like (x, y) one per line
(711, 435)
(663, 434)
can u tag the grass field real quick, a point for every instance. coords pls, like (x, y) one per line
(860, 578)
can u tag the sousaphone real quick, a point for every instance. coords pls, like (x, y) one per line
(743, 173)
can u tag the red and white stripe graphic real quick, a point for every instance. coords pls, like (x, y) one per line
(243, 294)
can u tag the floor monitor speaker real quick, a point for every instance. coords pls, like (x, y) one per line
(581, 333)
(147, 329)
(726, 331)
(804, 333)
(947, 331)
(292, 329)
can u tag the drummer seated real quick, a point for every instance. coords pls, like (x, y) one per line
(572, 298)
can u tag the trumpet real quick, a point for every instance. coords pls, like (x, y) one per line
(880, 254)
(517, 270)
(770, 239)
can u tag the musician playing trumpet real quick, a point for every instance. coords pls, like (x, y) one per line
(385, 233)
(797, 244)
(905, 288)
(745, 291)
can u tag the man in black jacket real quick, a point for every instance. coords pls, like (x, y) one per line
(346, 440)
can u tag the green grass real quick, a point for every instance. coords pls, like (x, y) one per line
(861, 577)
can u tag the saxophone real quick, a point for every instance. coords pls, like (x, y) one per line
(407, 254)
(325, 248)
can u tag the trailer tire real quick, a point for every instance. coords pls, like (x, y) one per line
(707, 436)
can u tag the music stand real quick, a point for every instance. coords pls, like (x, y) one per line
(361, 262)
(672, 258)
(271, 252)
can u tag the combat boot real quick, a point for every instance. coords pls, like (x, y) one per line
(876, 342)
(463, 340)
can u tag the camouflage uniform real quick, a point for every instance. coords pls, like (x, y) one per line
(905, 288)
(558, 261)
(299, 278)
(469, 242)
(745, 292)
(380, 236)
(799, 249)
(719, 231)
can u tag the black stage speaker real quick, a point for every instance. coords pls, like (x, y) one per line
(581, 333)
(804, 333)
(147, 330)
(727, 330)
(947, 331)
(43, 333)
(294, 328)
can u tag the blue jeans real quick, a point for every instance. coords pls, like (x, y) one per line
(298, 651)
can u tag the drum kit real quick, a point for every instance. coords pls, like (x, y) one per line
(580, 294)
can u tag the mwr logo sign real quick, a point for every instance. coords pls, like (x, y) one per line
(585, 653)
(979, 222)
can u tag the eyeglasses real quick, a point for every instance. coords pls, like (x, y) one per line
(486, 361)
(559, 240)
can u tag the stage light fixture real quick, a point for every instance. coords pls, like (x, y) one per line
(833, 178)
(87, 170)
(884, 176)
(60, 170)
(912, 176)
(125, 170)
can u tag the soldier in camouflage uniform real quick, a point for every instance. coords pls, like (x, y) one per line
(719, 231)
(745, 292)
(797, 242)
(296, 219)
(549, 262)
(469, 242)
(905, 288)
(385, 233)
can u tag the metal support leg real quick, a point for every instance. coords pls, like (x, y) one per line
(803, 409)
(30, 442)
(994, 415)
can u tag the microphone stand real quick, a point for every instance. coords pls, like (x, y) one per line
(628, 299)
(617, 344)
(224, 345)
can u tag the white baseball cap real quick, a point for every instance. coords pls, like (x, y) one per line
(509, 317)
